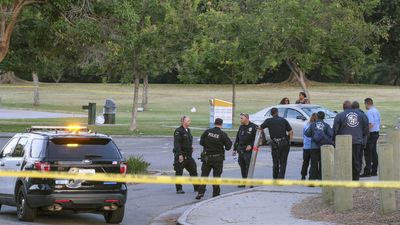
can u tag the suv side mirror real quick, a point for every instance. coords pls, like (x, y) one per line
(301, 117)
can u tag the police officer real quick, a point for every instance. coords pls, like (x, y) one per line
(183, 149)
(281, 134)
(214, 141)
(244, 143)
(356, 106)
(352, 122)
(374, 123)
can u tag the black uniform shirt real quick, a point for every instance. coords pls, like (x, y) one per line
(183, 141)
(351, 122)
(245, 136)
(277, 127)
(214, 140)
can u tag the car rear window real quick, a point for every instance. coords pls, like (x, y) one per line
(82, 148)
(310, 110)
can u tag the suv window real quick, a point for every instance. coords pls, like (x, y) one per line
(37, 148)
(82, 148)
(19, 149)
(9, 148)
(292, 114)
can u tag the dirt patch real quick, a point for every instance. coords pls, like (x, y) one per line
(366, 210)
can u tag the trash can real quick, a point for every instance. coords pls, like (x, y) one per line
(109, 111)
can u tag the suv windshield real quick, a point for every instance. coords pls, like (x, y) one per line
(82, 148)
(310, 110)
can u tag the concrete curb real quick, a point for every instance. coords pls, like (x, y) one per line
(182, 220)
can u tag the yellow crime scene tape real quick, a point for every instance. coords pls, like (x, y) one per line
(149, 179)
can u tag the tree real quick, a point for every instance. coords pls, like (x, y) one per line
(307, 35)
(142, 47)
(10, 11)
(219, 52)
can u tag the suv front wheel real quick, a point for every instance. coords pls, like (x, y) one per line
(115, 217)
(24, 211)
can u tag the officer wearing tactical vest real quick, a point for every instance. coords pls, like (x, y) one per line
(183, 149)
(244, 143)
(214, 141)
(352, 122)
(281, 134)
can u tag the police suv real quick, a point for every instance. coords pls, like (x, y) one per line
(62, 149)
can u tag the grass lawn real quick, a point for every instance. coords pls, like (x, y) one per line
(169, 102)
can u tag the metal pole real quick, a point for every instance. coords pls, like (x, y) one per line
(253, 160)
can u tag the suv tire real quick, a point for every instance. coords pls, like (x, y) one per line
(24, 211)
(115, 217)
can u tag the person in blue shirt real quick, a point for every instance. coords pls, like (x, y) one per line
(374, 123)
(307, 147)
(321, 134)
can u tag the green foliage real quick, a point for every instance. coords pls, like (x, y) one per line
(205, 41)
(219, 52)
(137, 165)
(332, 35)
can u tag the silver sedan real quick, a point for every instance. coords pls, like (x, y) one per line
(296, 114)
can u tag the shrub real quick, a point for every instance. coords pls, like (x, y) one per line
(137, 165)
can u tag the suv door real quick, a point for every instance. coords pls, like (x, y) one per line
(87, 156)
(295, 119)
(6, 187)
(17, 156)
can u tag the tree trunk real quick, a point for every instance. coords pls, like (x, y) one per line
(145, 93)
(300, 76)
(233, 98)
(293, 79)
(8, 18)
(10, 78)
(135, 102)
(36, 101)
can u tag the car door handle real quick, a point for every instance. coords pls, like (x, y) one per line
(2, 164)
(18, 164)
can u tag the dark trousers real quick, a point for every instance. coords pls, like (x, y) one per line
(371, 155)
(190, 165)
(244, 162)
(356, 162)
(280, 154)
(306, 162)
(315, 169)
(216, 165)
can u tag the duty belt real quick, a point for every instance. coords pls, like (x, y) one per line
(279, 139)
(213, 155)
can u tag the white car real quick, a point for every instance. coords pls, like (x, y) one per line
(296, 114)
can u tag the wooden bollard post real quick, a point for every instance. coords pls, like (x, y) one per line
(343, 197)
(396, 153)
(327, 164)
(386, 172)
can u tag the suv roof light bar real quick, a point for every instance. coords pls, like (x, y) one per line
(58, 128)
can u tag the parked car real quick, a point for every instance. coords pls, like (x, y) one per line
(62, 149)
(296, 114)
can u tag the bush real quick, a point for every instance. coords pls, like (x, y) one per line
(137, 165)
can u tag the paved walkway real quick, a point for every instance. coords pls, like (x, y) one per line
(28, 114)
(258, 206)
